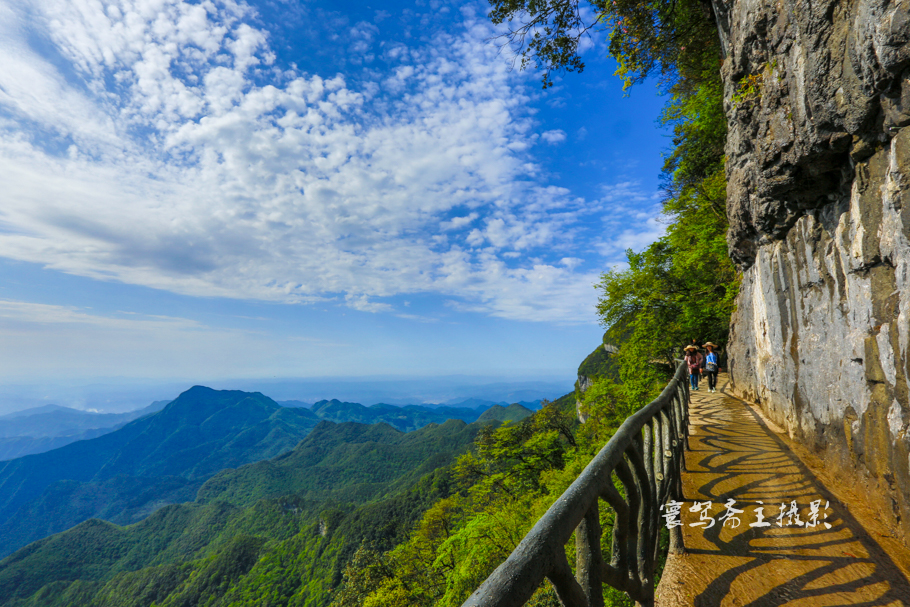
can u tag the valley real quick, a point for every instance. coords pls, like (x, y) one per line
(216, 475)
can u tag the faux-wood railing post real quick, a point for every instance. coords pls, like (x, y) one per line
(677, 545)
(589, 558)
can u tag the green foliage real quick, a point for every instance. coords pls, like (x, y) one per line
(510, 459)
(666, 36)
(683, 286)
(342, 462)
(505, 484)
(549, 38)
(143, 587)
(748, 88)
(605, 407)
(512, 413)
(598, 363)
(366, 572)
(212, 578)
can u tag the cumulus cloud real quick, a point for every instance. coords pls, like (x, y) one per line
(154, 145)
(553, 137)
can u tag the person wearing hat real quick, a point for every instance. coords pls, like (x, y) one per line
(712, 366)
(693, 362)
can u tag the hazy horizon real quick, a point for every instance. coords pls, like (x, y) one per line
(128, 395)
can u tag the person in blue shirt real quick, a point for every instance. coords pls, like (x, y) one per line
(712, 366)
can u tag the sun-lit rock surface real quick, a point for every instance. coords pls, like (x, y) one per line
(818, 98)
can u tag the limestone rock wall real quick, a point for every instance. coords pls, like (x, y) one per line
(818, 163)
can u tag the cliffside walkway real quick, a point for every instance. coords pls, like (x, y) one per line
(736, 454)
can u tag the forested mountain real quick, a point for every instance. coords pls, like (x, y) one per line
(165, 458)
(513, 413)
(156, 460)
(411, 417)
(282, 528)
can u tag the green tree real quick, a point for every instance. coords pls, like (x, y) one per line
(670, 37)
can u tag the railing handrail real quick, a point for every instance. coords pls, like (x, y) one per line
(632, 456)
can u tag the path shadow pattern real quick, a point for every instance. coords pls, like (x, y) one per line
(733, 455)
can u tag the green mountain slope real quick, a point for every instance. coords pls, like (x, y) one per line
(512, 413)
(234, 546)
(162, 457)
(406, 418)
(345, 462)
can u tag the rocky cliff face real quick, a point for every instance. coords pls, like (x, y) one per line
(818, 161)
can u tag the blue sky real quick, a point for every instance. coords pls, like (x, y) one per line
(211, 190)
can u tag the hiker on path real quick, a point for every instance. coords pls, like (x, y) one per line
(712, 366)
(693, 362)
(701, 357)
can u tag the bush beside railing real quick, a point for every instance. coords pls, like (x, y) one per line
(646, 456)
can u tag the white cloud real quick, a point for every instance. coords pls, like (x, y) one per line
(456, 223)
(363, 304)
(184, 172)
(631, 217)
(553, 137)
(80, 342)
(46, 314)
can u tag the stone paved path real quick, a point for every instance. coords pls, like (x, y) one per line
(734, 454)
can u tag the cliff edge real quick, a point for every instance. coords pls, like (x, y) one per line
(818, 165)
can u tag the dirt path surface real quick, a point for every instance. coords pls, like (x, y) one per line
(734, 454)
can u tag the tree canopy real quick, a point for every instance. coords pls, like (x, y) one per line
(671, 37)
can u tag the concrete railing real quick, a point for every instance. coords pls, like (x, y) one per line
(646, 458)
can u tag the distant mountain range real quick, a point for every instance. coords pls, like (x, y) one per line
(49, 427)
(469, 403)
(306, 484)
(166, 457)
(120, 395)
(411, 417)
